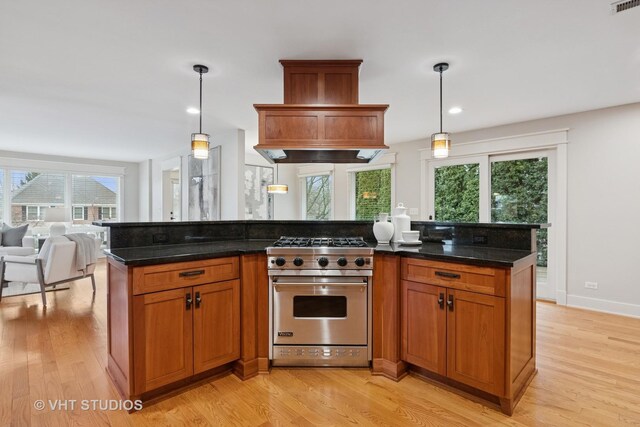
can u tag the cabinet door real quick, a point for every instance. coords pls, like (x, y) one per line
(216, 324)
(163, 346)
(424, 326)
(476, 340)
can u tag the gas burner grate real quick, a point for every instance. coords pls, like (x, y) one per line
(314, 242)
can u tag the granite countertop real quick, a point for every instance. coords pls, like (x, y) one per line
(161, 254)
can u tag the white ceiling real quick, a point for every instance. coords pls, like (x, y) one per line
(112, 79)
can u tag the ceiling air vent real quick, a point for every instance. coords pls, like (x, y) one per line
(621, 6)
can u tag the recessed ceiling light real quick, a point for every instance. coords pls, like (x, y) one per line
(193, 110)
(455, 110)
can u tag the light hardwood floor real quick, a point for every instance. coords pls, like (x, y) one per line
(589, 374)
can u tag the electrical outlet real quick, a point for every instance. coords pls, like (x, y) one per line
(414, 211)
(591, 285)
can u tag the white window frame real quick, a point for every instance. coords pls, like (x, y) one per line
(555, 142)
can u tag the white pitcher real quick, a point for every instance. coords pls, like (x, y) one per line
(401, 222)
(383, 229)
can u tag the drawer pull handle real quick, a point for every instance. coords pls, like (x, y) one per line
(191, 273)
(198, 300)
(447, 275)
(450, 302)
(189, 301)
(441, 300)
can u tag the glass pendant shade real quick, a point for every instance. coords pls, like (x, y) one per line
(440, 145)
(277, 189)
(200, 145)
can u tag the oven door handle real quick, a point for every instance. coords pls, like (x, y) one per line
(278, 287)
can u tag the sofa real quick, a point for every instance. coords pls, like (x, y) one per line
(28, 247)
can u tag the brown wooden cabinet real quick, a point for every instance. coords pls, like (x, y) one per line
(424, 326)
(470, 327)
(321, 82)
(475, 340)
(164, 337)
(171, 324)
(216, 325)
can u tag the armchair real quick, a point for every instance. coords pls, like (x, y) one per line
(55, 264)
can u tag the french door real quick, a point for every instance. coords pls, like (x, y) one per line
(515, 187)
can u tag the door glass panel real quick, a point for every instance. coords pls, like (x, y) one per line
(520, 193)
(457, 193)
(320, 306)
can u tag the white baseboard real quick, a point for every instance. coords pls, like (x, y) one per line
(606, 306)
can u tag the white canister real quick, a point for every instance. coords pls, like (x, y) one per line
(383, 229)
(401, 222)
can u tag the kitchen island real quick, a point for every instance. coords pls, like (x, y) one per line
(189, 301)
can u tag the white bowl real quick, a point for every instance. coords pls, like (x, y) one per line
(411, 236)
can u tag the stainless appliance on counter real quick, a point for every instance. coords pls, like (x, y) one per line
(320, 301)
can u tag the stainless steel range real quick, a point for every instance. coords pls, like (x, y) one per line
(320, 301)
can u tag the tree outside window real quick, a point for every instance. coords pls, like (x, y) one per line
(318, 197)
(372, 193)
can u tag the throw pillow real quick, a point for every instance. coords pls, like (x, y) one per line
(13, 236)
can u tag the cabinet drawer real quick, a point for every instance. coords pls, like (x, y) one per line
(486, 280)
(156, 278)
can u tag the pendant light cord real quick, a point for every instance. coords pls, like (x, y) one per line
(440, 100)
(201, 100)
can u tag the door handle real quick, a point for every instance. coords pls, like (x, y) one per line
(450, 302)
(198, 300)
(441, 300)
(191, 273)
(189, 301)
(447, 275)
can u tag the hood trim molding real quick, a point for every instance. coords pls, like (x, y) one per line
(294, 133)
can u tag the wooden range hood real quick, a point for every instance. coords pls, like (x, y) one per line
(320, 120)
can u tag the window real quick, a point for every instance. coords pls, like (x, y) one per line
(457, 193)
(32, 192)
(94, 198)
(317, 200)
(107, 213)
(80, 213)
(372, 193)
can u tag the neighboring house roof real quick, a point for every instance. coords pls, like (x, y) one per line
(48, 189)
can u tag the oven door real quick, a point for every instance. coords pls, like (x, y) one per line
(319, 310)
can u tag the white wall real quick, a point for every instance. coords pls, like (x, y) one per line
(603, 203)
(129, 188)
(232, 159)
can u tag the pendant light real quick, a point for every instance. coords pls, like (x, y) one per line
(440, 142)
(277, 188)
(200, 141)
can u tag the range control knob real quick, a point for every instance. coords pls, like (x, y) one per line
(280, 261)
(359, 262)
(298, 262)
(342, 261)
(323, 262)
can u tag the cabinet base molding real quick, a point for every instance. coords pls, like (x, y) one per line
(175, 388)
(502, 404)
(386, 368)
(246, 369)
(264, 366)
(507, 405)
